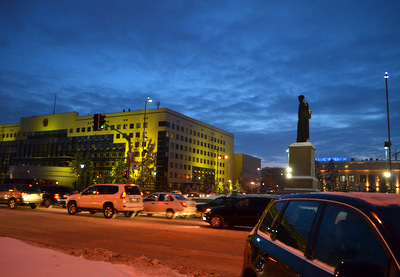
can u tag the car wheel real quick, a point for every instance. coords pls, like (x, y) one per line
(109, 211)
(216, 221)
(12, 204)
(170, 214)
(198, 214)
(46, 202)
(72, 208)
(33, 206)
(128, 214)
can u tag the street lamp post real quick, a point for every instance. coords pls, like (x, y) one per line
(389, 143)
(144, 138)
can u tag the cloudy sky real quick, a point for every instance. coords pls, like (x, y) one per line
(236, 65)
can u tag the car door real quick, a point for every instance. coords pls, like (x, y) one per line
(345, 234)
(237, 212)
(86, 199)
(150, 203)
(283, 237)
(164, 202)
(4, 193)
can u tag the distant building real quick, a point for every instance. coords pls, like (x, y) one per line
(273, 179)
(248, 168)
(366, 175)
(41, 148)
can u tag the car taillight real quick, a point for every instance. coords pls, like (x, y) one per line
(24, 193)
(41, 195)
(123, 194)
(184, 204)
(56, 196)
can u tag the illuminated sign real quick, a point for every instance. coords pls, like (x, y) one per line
(335, 159)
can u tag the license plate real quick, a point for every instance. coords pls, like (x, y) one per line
(134, 200)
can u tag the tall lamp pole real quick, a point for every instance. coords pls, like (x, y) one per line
(217, 183)
(389, 143)
(144, 138)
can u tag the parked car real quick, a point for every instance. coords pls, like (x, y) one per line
(21, 194)
(219, 201)
(31, 195)
(326, 234)
(109, 199)
(169, 204)
(55, 195)
(10, 196)
(245, 211)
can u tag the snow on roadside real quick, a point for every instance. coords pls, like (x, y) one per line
(18, 258)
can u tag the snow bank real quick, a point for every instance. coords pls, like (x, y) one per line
(21, 259)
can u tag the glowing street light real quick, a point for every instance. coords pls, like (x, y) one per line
(388, 143)
(289, 172)
(145, 138)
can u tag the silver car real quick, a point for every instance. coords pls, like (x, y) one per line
(109, 199)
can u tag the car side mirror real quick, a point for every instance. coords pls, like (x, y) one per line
(353, 268)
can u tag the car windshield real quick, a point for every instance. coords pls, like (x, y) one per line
(179, 196)
(389, 215)
(31, 189)
(132, 190)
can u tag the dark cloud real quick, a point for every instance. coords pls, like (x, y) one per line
(235, 65)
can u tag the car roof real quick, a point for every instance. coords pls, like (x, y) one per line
(357, 199)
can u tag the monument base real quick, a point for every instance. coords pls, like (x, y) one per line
(301, 184)
(302, 163)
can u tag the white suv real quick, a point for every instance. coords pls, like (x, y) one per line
(107, 198)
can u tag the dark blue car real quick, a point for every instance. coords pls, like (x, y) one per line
(326, 234)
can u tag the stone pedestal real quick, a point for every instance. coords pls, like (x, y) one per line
(302, 163)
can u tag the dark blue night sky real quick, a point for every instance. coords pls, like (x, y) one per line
(236, 65)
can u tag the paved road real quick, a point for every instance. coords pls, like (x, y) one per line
(189, 243)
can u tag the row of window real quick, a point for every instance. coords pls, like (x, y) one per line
(190, 132)
(189, 158)
(352, 179)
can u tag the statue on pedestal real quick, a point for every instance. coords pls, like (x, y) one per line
(303, 132)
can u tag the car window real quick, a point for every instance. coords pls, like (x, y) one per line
(296, 222)
(219, 200)
(31, 189)
(7, 188)
(164, 197)
(260, 202)
(132, 190)
(344, 234)
(242, 203)
(388, 214)
(90, 190)
(107, 189)
(179, 196)
(229, 200)
(152, 197)
(269, 222)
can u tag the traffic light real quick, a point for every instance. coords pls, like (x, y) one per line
(96, 121)
(99, 122)
(102, 122)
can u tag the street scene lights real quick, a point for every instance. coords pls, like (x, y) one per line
(388, 143)
(145, 138)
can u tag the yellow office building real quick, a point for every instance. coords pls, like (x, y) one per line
(185, 151)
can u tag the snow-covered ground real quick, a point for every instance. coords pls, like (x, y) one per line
(19, 259)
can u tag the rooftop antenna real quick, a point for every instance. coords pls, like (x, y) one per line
(158, 104)
(55, 100)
